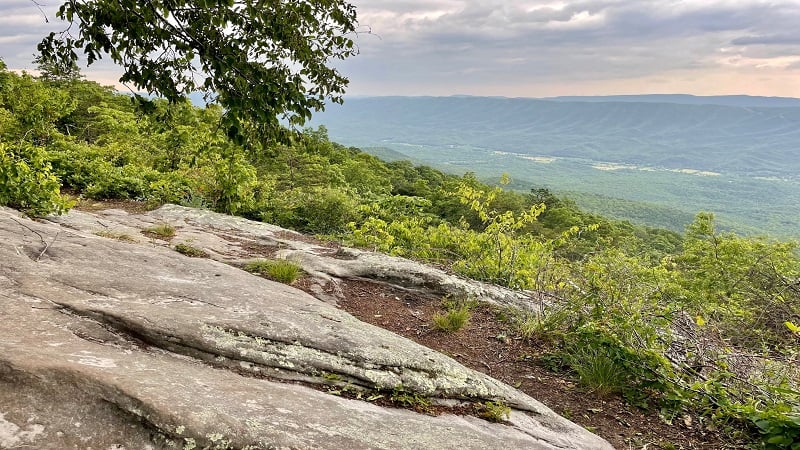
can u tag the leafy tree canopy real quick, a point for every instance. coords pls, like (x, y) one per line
(262, 60)
(57, 71)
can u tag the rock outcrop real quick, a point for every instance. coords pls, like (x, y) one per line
(109, 344)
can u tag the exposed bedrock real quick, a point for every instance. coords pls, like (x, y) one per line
(110, 344)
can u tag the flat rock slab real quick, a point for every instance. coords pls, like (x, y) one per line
(109, 345)
(235, 240)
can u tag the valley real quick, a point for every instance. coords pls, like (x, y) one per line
(648, 162)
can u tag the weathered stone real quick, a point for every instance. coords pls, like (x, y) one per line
(231, 239)
(107, 343)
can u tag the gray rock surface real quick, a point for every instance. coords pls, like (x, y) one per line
(234, 239)
(108, 344)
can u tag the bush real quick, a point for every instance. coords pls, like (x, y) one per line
(779, 430)
(227, 180)
(316, 210)
(27, 182)
(329, 210)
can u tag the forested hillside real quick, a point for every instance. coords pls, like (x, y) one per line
(704, 322)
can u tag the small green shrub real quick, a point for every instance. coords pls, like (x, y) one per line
(779, 430)
(540, 324)
(281, 270)
(163, 230)
(598, 371)
(495, 411)
(529, 326)
(315, 210)
(412, 400)
(454, 319)
(191, 251)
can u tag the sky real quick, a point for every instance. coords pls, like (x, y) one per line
(519, 48)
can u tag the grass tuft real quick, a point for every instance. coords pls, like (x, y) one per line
(454, 319)
(191, 251)
(280, 270)
(163, 230)
(528, 326)
(598, 372)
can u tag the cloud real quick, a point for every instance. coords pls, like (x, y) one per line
(524, 47)
(22, 25)
(769, 39)
(466, 43)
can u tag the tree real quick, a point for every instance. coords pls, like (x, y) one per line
(57, 71)
(261, 60)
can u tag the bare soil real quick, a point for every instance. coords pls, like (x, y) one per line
(131, 206)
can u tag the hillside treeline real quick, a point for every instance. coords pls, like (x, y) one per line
(704, 323)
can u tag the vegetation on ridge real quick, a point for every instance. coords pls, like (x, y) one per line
(707, 321)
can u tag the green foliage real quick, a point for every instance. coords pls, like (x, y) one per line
(226, 180)
(191, 251)
(27, 182)
(702, 329)
(33, 109)
(778, 429)
(622, 296)
(326, 210)
(495, 411)
(258, 60)
(495, 250)
(162, 230)
(528, 326)
(547, 322)
(744, 287)
(318, 210)
(598, 371)
(455, 317)
(499, 254)
(607, 366)
(281, 270)
(409, 399)
(57, 72)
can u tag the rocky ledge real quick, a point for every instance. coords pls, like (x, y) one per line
(113, 340)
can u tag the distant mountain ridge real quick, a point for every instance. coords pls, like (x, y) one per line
(743, 101)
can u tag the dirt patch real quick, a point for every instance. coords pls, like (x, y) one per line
(131, 206)
(489, 344)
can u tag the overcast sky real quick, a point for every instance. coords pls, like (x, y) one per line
(536, 49)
